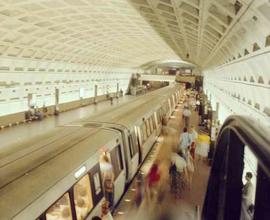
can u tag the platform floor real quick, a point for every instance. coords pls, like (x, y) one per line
(28, 130)
(191, 198)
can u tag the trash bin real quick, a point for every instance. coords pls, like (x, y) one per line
(203, 145)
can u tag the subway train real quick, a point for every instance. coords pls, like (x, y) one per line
(57, 175)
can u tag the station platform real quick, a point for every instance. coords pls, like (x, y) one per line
(188, 205)
(28, 130)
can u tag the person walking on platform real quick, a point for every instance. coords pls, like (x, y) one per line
(152, 181)
(190, 169)
(193, 138)
(198, 103)
(185, 142)
(186, 116)
(178, 174)
(139, 189)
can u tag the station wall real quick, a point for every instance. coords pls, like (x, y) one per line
(241, 87)
(75, 82)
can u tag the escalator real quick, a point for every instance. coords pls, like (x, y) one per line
(243, 146)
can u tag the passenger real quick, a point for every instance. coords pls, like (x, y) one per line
(66, 213)
(178, 174)
(139, 190)
(152, 180)
(111, 98)
(105, 211)
(186, 116)
(247, 191)
(193, 103)
(190, 169)
(81, 209)
(32, 111)
(108, 178)
(185, 142)
(193, 138)
(198, 103)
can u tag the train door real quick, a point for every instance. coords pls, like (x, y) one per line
(133, 154)
(119, 171)
(138, 142)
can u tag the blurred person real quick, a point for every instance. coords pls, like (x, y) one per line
(193, 139)
(178, 174)
(164, 179)
(105, 211)
(190, 169)
(111, 99)
(139, 185)
(185, 141)
(106, 169)
(198, 103)
(152, 180)
(186, 116)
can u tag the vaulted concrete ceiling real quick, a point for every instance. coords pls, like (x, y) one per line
(129, 33)
(98, 32)
(201, 31)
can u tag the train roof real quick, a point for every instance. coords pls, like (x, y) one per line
(26, 177)
(128, 114)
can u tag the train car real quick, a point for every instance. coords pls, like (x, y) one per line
(57, 175)
(139, 123)
(49, 176)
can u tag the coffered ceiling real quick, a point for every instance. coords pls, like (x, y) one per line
(129, 33)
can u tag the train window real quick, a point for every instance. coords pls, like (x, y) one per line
(83, 198)
(117, 160)
(158, 117)
(131, 147)
(60, 210)
(143, 132)
(150, 125)
(135, 143)
(96, 184)
(137, 137)
(153, 122)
